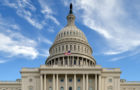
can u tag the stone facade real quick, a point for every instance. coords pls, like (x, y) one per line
(70, 66)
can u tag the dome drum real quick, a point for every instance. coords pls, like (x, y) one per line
(74, 47)
(71, 61)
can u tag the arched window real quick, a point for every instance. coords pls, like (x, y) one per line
(78, 88)
(62, 88)
(70, 88)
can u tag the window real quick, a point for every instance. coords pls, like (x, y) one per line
(78, 80)
(50, 80)
(30, 80)
(70, 80)
(59, 48)
(67, 47)
(30, 88)
(50, 88)
(78, 48)
(62, 80)
(70, 88)
(62, 88)
(74, 62)
(78, 88)
(110, 88)
(90, 80)
(70, 47)
(56, 49)
(74, 47)
(110, 80)
(90, 88)
(62, 48)
(73, 33)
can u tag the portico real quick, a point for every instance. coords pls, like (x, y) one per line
(81, 78)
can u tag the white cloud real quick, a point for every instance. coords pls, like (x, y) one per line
(44, 40)
(44, 53)
(112, 21)
(26, 10)
(13, 43)
(3, 61)
(8, 24)
(18, 45)
(47, 11)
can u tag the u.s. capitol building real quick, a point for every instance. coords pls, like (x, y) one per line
(70, 66)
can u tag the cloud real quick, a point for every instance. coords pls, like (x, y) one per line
(44, 40)
(112, 21)
(3, 61)
(26, 10)
(17, 45)
(4, 23)
(47, 11)
(44, 53)
(13, 43)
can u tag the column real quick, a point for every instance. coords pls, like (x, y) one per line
(63, 61)
(86, 62)
(95, 81)
(103, 81)
(77, 62)
(82, 62)
(65, 82)
(72, 60)
(56, 81)
(83, 81)
(87, 82)
(100, 83)
(44, 81)
(74, 81)
(68, 60)
(118, 83)
(53, 81)
(41, 82)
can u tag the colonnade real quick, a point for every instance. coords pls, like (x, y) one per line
(85, 82)
(70, 61)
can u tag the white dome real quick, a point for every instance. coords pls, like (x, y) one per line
(71, 31)
(70, 39)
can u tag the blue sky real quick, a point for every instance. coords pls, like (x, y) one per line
(28, 29)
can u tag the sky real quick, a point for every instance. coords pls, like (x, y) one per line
(28, 29)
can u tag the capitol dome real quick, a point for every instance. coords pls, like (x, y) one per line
(71, 46)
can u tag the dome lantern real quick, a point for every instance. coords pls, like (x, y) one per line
(70, 17)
